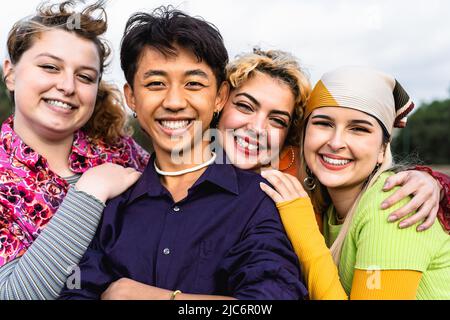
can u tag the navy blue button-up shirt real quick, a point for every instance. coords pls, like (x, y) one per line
(224, 238)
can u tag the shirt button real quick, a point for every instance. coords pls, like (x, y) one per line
(176, 208)
(166, 251)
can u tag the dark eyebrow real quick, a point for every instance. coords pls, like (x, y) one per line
(150, 73)
(283, 113)
(253, 99)
(361, 122)
(196, 72)
(358, 121)
(49, 55)
(321, 116)
(250, 97)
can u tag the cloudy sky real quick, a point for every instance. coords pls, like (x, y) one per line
(407, 38)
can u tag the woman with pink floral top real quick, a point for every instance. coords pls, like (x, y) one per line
(63, 152)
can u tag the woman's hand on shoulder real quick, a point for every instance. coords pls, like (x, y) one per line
(107, 181)
(285, 186)
(425, 193)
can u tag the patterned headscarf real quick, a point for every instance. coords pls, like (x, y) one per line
(364, 89)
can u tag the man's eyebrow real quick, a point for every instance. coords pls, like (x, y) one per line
(196, 72)
(150, 73)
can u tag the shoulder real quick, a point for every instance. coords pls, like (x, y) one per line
(248, 183)
(384, 243)
(373, 197)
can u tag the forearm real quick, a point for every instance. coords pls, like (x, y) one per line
(318, 267)
(42, 271)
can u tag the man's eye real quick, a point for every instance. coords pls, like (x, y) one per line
(154, 84)
(195, 84)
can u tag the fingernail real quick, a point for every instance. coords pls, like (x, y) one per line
(420, 228)
(392, 218)
(384, 205)
(402, 224)
(386, 185)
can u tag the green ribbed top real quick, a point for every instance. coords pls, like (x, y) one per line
(373, 243)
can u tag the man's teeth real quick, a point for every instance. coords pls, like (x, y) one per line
(175, 124)
(59, 104)
(335, 162)
(245, 144)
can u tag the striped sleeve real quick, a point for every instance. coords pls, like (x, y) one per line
(41, 273)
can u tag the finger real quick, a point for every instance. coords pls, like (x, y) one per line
(271, 192)
(396, 180)
(278, 183)
(398, 195)
(412, 205)
(430, 219)
(295, 190)
(416, 217)
(281, 178)
(298, 187)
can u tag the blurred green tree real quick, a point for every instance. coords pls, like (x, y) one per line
(426, 135)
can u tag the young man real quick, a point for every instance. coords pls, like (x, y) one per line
(195, 229)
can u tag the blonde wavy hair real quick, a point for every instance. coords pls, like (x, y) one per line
(280, 65)
(109, 116)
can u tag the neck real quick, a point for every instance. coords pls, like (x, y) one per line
(343, 199)
(55, 151)
(179, 185)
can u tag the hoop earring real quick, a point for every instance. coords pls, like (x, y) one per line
(134, 115)
(309, 182)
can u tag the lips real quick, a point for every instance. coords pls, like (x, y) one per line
(333, 162)
(172, 126)
(60, 103)
(248, 145)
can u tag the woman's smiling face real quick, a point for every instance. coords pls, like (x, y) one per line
(255, 121)
(342, 146)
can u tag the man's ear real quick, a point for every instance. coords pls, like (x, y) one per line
(222, 96)
(8, 74)
(129, 97)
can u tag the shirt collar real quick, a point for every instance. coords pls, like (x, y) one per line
(221, 174)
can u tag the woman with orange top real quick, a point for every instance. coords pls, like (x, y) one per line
(262, 120)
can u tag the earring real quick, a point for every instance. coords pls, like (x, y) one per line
(134, 115)
(215, 119)
(309, 182)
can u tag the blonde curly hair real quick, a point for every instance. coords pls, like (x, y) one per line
(109, 117)
(280, 65)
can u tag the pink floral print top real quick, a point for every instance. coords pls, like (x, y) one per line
(30, 193)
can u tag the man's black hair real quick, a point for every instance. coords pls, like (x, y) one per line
(166, 27)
